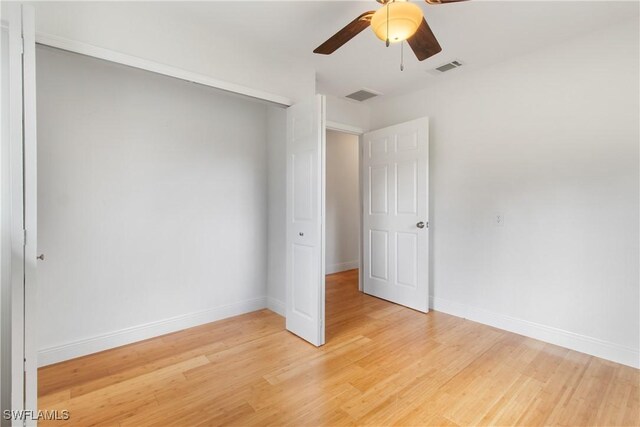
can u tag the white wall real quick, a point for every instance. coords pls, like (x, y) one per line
(550, 140)
(159, 32)
(152, 199)
(352, 114)
(342, 232)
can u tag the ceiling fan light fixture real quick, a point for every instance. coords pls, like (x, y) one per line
(404, 18)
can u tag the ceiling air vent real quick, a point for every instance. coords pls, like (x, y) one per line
(363, 95)
(450, 66)
(445, 67)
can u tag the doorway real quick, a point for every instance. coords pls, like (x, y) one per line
(394, 207)
(342, 227)
(342, 206)
(376, 214)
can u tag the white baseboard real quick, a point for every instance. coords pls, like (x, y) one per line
(343, 266)
(582, 343)
(114, 339)
(276, 306)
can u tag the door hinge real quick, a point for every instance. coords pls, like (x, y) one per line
(24, 237)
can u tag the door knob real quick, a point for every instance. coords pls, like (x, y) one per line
(40, 257)
(420, 224)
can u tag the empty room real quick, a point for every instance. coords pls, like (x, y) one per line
(320, 213)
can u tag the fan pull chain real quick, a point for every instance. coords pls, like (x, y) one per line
(387, 42)
(402, 56)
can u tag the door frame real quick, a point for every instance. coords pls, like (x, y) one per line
(21, 214)
(15, 210)
(30, 210)
(359, 132)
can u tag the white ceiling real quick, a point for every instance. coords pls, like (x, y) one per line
(475, 32)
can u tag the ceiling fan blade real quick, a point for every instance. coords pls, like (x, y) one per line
(443, 1)
(351, 30)
(423, 42)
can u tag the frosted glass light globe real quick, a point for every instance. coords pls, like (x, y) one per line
(404, 20)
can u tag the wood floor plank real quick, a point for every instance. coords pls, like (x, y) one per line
(383, 364)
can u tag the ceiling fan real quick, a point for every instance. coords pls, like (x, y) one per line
(395, 21)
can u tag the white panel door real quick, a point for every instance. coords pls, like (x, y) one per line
(395, 183)
(305, 219)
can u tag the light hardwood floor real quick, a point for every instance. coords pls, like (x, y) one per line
(383, 364)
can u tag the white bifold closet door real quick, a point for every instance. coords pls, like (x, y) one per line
(305, 219)
(19, 205)
(395, 183)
